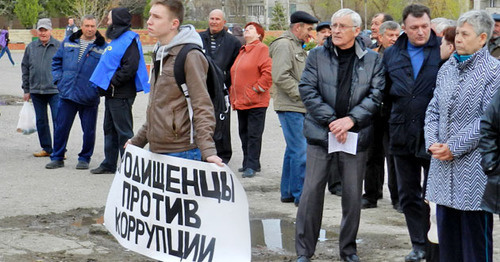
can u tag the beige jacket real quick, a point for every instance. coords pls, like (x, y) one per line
(289, 60)
(167, 127)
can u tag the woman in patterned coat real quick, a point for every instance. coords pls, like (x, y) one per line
(465, 86)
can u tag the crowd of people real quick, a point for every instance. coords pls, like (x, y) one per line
(420, 96)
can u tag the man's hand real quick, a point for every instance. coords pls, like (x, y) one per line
(441, 152)
(340, 127)
(127, 143)
(26, 97)
(215, 159)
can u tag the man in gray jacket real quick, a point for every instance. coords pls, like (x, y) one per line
(288, 62)
(341, 88)
(37, 82)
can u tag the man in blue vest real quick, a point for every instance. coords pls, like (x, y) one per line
(120, 74)
(72, 66)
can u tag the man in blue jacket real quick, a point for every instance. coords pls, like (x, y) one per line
(412, 64)
(120, 74)
(72, 67)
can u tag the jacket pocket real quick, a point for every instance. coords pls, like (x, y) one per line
(315, 133)
(251, 97)
(397, 129)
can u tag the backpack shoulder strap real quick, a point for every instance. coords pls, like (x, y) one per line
(180, 61)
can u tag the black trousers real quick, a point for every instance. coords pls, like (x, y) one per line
(223, 145)
(411, 196)
(251, 126)
(374, 177)
(464, 235)
(118, 128)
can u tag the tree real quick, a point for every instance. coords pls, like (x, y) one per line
(7, 9)
(98, 8)
(27, 11)
(278, 22)
(134, 6)
(56, 8)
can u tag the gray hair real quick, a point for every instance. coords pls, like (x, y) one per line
(479, 20)
(218, 11)
(442, 23)
(89, 17)
(356, 19)
(388, 25)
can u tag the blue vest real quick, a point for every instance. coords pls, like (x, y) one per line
(110, 61)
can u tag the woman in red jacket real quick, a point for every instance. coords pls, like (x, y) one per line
(250, 83)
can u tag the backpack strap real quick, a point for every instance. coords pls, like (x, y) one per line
(180, 79)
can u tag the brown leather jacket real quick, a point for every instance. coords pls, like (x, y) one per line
(167, 128)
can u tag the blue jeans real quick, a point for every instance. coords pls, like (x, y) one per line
(6, 49)
(118, 128)
(294, 162)
(40, 102)
(65, 117)
(193, 154)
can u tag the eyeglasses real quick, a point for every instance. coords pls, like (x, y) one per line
(341, 27)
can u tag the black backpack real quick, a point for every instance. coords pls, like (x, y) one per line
(215, 85)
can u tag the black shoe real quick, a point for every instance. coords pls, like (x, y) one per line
(296, 203)
(415, 256)
(351, 258)
(82, 165)
(55, 164)
(248, 173)
(101, 170)
(336, 190)
(242, 169)
(287, 200)
(367, 204)
(303, 259)
(397, 207)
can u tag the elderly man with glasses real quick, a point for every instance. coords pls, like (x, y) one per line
(341, 88)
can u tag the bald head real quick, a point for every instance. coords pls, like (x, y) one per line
(216, 21)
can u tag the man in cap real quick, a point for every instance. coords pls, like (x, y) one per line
(341, 88)
(37, 82)
(494, 43)
(288, 63)
(223, 48)
(72, 66)
(120, 74)
(322, 32)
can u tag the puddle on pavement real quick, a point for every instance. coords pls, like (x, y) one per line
(279, 235)
(87, 221)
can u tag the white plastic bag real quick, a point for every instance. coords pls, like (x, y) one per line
(27, 119)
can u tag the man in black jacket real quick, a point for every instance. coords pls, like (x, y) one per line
(120, 89)
(223, 48)
(341, 88)
(412, 64)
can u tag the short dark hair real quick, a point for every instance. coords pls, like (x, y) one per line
(175, 7)
(416, 10)
(387, 17)
(449, 34)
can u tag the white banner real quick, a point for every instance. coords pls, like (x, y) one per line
(174, 209)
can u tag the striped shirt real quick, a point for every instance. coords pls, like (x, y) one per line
(83, 46)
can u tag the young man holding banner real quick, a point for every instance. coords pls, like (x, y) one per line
(168, 126)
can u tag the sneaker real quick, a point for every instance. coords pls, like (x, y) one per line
(249, 173)
(415, 256)
(82, 165)
(42, 153)
(55, 164)
(101, 170)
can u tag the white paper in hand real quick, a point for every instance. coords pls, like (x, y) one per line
(349, 146)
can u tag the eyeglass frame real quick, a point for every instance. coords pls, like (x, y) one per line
(341, 27)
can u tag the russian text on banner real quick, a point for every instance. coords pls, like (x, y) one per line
(174, 209)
